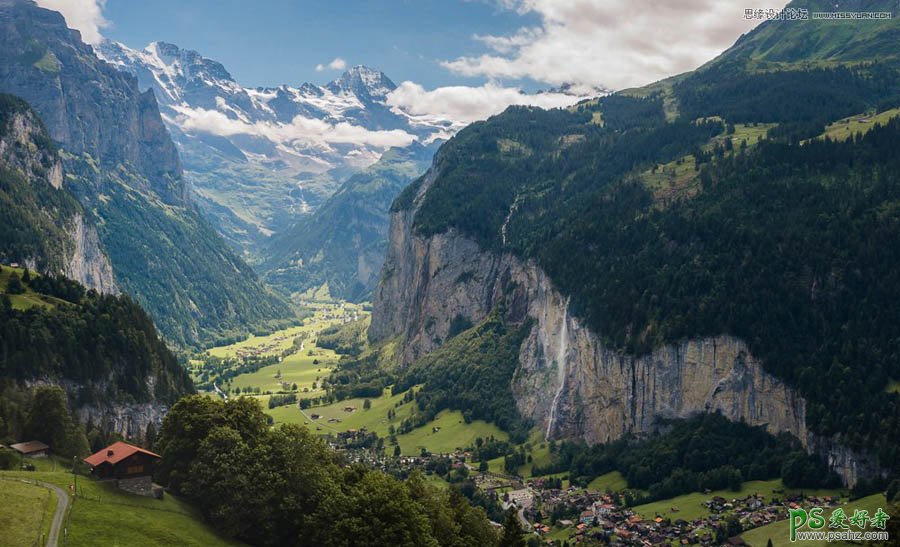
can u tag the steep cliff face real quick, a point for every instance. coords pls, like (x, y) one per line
(108, 118)
(568, 382)
(128, 420)
(88, 263)
(52, 234)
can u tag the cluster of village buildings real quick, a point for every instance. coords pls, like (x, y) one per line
(591, 516)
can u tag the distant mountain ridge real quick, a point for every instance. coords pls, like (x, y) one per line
(343, 242)
(261, 158)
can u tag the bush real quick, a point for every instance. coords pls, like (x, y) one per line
(8, 458)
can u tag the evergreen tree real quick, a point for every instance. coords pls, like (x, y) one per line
(512, 534)
(14, 285)
(150, 436)
(49, 421)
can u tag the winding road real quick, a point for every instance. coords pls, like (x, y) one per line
(62, 503)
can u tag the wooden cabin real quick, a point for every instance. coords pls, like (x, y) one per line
(31, 449)
(122, 461)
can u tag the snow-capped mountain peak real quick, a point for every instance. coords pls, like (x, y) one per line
(364, 82)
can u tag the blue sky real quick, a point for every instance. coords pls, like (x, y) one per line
(270, 42)
(447, 50)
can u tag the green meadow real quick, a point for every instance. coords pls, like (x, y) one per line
(102, 514)
(845, 128)
(690, 506)
(447, 432)
(26, 512)
(29, 298)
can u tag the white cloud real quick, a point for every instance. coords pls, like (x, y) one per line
(465, 104)
(85, 16)
(303, 131)
(336, 64)
(611, 43)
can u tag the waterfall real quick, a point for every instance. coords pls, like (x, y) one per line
(562, 350)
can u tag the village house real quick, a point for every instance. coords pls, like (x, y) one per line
(130, 466)
(31, 449)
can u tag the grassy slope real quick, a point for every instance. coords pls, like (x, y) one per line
(612, 482)
(539, 452)
(778, 531)
(26, 512)
(690, 505)
(29, 298)
(679, 178)
(104, 515)
(843, 129)
(454, 432)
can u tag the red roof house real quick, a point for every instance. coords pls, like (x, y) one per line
(122, 461)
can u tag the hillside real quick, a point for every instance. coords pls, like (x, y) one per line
(125, 171)
(103, 349)
(343, 242)
(819, 42)
(102, 513)
(671, 260)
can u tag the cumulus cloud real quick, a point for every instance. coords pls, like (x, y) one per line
(336, 64)
(301, 130)
(466, 104)
(85, 16)
(611, 43)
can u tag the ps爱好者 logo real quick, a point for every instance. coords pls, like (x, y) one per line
(839, 526)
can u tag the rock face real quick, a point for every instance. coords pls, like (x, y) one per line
(128, 420)
(88, 263)
(110, 119)
(68, 244)
(568, 382)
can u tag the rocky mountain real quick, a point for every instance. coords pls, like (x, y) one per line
(124, 169)
(44, 226)
(682, 248)
(343, 242)
(259, 159)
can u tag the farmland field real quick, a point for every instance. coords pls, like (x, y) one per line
(306, 366)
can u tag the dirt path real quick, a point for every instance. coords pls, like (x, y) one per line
(62, 503)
